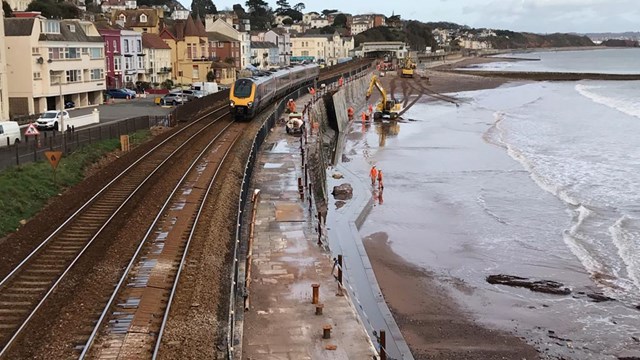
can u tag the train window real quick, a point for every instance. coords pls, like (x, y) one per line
(242, 88)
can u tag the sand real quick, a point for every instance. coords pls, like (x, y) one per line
(433, 324)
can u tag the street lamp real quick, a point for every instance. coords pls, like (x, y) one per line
(61, 122)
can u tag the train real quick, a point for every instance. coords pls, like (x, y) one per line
(250, 95)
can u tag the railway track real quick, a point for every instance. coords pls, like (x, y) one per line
(133, 321)
(25, 289)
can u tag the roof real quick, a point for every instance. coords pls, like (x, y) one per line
(263, 45)
(132, 17)
(200, 27)
(153, 41)
(18, 26)
(221, 65)
(214, 36)
(190, 28)
(78, 35)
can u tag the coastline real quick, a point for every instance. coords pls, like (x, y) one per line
(431, 321)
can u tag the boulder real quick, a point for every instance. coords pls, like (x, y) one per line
(342, 192)
(337, 175)
(543, 286)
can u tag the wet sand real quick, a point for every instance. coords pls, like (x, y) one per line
(433, 325)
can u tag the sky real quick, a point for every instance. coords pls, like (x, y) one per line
(538, 16)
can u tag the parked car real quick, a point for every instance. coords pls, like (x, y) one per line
(49, 119)
(69, 105)
(117, 93)
(173, 99)
(192, 94)
(9, 131)
(130, 92)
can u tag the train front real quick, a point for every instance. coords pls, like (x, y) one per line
(242, 99)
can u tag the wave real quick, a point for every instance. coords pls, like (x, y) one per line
(483, 204)
(628, 247)
(624, 105)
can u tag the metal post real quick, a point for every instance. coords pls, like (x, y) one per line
(340, 269)
(17, 156)
(316, 293)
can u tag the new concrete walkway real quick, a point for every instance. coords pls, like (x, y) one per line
(281, 322)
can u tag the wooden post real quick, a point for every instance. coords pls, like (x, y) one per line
(316, 293)
(383, 345)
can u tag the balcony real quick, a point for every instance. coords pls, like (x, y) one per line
(164, 70)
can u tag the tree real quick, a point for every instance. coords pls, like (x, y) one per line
(55, 10)
(260, 14)
(239, 10)
(167, 84)
(203, 7)
(211, 77)
(287, 21)
(299, 7)
(340, 20)
(283, 7)
(8, 12)
(326, 12)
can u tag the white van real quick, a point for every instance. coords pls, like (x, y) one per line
(10, 130)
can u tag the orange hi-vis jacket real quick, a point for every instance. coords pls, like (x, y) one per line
(373, 173)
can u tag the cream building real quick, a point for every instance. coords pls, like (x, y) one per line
(234, 31)
(322, 47)
(158, 58)
(4, 90)
(51, 62)
(18, 5)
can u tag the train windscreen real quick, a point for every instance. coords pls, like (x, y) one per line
(242, 88)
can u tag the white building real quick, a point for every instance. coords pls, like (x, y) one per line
(282, 38)
(329, 48)
(132, 57)
(264, 54)
(53, 61)
(360, 26)
(180, 14)
(319, 22)
(4, 90)
(157, 55)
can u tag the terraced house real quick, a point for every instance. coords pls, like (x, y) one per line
(50, 62)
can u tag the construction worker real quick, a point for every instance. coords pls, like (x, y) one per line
(312, 91)
(364, 117)
(370, 109)
(380, 184)
(350, 113)
(373, 174)
(341, 81)
(291, 105)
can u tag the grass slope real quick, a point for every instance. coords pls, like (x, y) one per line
(26, 189)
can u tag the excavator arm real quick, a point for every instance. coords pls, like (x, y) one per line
(375, 83)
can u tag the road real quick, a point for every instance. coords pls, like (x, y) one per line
(122, 109)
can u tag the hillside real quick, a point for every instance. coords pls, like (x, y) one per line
(506, 39)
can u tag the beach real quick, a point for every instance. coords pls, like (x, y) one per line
(433, 324)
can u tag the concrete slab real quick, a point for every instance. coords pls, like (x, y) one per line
(281, 322)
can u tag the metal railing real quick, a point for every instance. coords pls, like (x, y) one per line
(32, 149)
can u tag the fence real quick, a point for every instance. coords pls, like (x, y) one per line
(32, 148)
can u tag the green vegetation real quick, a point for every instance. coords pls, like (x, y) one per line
(506, 39)
(416, 34)
(52, 9)
(202, 8)
(25, 190)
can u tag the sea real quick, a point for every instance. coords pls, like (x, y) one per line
(533, 179)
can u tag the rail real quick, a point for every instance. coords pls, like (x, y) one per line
(66, 246)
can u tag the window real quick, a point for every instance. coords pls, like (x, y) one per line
(74, 76)
(36, 76)
(54, 53)
(144, 30)
(140, 62)
(126, 46)
(196, 72)
(85, 51)
(143, 18)
(139, 46)
(108, 64)
(72, 28)
(202, 50)
(127, 63)
(35, 50)
(122, 17)
(116, 64)
(72, 53)
(97, 74)
(220, 45)
(115, 46)
(50, 27)
(96, 53)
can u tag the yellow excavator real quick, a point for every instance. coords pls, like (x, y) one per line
(386, 106)
(408, 67)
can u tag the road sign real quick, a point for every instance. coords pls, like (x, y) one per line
(53, 157)
(31, 130)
